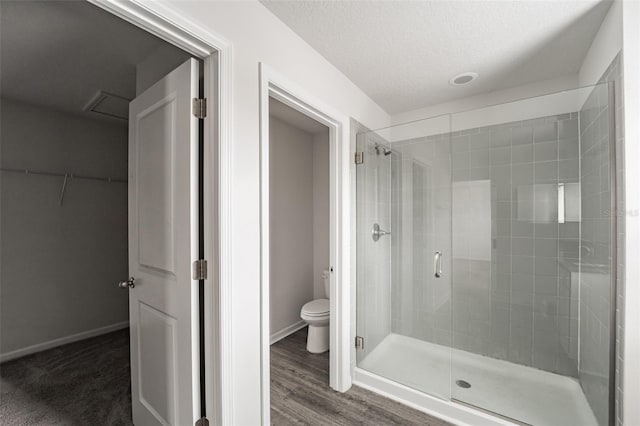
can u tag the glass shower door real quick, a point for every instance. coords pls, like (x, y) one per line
(403, 239)
(532, 304)
(519, 199)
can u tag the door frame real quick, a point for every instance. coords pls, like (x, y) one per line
(162, 21)
(275, 85)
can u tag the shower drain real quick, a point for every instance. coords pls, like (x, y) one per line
(463, 384)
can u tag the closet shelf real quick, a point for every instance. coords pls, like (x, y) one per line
(63, 175)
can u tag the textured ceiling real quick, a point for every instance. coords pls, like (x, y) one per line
(403, 53)
(58, 54)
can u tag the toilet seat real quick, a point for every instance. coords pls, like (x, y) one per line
(316, 308)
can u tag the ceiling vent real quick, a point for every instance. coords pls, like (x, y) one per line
(109, 105)
(462, 79)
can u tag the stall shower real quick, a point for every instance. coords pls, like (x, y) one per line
(484, 253)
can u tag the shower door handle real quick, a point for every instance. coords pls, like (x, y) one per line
(437, 264)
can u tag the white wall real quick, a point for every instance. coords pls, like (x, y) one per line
(488, 99)
(631, 71)
(61, 264)
(540, 106)
(606, 45)
(321, 215)
(291, 223)
(256, 35)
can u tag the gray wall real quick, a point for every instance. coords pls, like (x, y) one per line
(321, 214)
(511, 298)
(158, 64)
(299, 233)
(519, 306)
(420, 199)
(60, 264)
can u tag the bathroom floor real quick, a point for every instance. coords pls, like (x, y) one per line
(82, 383)
(522, 393)
(300, 393)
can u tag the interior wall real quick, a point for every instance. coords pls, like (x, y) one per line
(628, 410)
(158, 64)
(61, 263)
(604, 48)
(277, 46)
(291, 207)
(497, 97)
(321, 213)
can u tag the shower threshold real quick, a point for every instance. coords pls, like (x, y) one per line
(525, 394)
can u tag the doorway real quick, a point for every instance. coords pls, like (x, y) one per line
(276, 88)
(299, 250)
(65, 178)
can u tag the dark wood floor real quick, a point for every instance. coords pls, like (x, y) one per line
(87, 383)
(300, 393)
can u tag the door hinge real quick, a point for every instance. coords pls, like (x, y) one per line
(359, 342)
(359, 157)
(199, 269)
(202, 421)
(199, 107)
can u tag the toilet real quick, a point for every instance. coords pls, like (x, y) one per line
(316, 315)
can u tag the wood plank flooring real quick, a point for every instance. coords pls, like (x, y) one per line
(87, 383)
(300, 393)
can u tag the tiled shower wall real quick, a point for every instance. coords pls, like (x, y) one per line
(421, 303)
(517, 301)
(595, 296)
(595, 300)
(614, 74)
(514, 297)
(522, 304)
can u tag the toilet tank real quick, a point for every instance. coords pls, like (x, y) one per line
(327, 283)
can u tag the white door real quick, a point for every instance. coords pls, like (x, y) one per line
(163, 243)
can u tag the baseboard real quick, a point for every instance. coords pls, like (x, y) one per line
(18, 353)
(279, 335)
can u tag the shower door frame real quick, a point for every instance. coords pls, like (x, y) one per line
(613, 188)
(275, 85)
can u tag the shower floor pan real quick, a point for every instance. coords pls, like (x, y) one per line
(510, 390)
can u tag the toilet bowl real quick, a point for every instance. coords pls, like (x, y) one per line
(316, 314)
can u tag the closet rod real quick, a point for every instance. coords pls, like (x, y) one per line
(69, 175)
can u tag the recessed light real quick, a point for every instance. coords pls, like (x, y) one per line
(462, 79)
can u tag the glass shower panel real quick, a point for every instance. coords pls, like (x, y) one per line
(531, 254)
(404, 221)
(596, 340)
